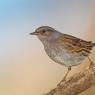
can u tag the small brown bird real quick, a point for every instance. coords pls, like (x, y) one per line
(62, 48)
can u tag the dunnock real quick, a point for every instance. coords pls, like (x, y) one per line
(62, 48)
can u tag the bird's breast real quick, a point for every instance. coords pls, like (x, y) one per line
(62, 56)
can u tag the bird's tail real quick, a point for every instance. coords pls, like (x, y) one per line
(93, 44)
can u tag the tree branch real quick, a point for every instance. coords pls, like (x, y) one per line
(76, 84)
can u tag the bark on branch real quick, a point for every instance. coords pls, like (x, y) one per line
(76, 83)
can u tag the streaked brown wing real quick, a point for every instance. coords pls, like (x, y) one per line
(75, 44)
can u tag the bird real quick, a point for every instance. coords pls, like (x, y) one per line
(62, 48)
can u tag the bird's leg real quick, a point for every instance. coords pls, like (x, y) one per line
(69, 69)
(91, 62)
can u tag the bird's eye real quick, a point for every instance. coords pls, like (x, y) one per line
(43, 31)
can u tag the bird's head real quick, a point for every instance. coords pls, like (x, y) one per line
(45, 33)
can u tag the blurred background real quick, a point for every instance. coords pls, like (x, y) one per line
(25, 69)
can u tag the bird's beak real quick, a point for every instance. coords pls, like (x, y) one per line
(34, 33)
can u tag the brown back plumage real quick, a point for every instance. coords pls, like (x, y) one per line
(93, 44)
(75, 44)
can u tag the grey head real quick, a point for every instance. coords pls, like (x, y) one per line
(46, 33)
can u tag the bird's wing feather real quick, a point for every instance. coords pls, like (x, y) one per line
(74, 44)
